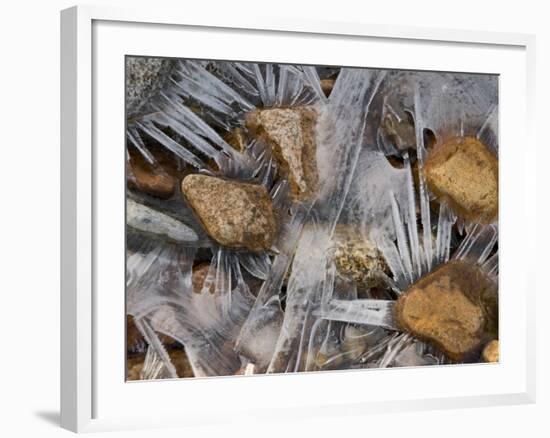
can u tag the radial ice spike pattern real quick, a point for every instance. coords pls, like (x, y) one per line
(219, 283)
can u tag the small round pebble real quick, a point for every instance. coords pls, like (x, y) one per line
(491, 352)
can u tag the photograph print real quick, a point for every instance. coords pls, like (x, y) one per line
(286, 218)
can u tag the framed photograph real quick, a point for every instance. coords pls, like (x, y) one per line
(265, 218)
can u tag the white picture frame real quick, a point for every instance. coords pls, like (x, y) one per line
(89, 400)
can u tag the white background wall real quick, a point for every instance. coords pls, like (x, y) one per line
(29, 218)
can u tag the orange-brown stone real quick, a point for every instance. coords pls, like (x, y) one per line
(454, 307)
(464, 173)
(491, 351)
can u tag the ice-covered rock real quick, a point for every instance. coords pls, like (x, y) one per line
(147, 220)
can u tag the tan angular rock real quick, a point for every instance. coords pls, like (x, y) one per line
(491, 351)
(454, 307)
(464, 173)
(235, 214)
(291, 134)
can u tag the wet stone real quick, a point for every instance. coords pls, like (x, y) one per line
(235, 214)
(464, 173)
(148, 179)
(291, 134)
(454, 307)
(491, 352)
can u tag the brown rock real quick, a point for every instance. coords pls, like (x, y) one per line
(235, 214)
(155, 181)
(291, 134)
(454, 307)
(491, 351)
(464, 173)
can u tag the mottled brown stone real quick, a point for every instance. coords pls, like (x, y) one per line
(464, 173)
(357, 258)
(291, 134)
(454, 307)
(491, 351)
(234, 214)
